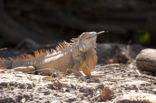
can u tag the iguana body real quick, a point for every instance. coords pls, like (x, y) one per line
(80, 54)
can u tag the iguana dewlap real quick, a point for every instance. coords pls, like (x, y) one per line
(78, 55)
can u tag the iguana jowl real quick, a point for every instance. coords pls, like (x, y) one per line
(74, 56)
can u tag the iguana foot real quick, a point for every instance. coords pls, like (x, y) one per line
(76, 73)
(89, 79)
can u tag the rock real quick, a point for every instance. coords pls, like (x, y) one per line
(146, 60)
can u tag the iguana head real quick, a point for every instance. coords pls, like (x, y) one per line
(87, 40)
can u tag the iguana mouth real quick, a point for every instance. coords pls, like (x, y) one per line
(100, 32)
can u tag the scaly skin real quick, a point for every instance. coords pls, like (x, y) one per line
(80, 54)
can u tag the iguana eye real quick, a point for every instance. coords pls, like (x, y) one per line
(85, 35)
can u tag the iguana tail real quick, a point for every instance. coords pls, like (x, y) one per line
(6, 63)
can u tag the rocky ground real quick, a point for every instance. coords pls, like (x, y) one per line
(122, 81)
(112, 83)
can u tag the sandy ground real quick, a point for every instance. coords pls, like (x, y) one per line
(123, 80)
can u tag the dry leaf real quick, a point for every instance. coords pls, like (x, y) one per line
(106, 94)
(111, 60)
(57, 84)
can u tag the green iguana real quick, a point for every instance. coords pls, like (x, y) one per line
(78, 55)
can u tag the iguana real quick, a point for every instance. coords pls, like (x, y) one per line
(74, 56)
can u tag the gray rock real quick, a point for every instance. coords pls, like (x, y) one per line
(146, 60)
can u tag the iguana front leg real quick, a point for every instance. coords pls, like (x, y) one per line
(76, 68)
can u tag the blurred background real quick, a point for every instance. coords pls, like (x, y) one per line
(52, 21)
